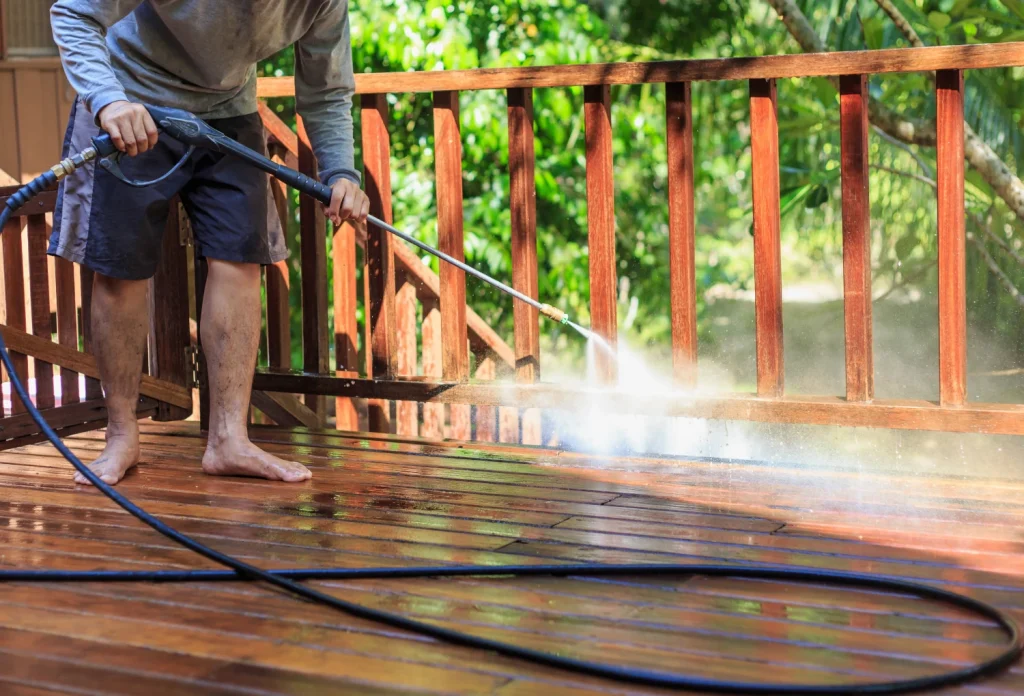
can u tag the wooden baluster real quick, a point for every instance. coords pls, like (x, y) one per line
(169, 329)
(406, 412)
(433, 413)
(681, 231)
(486, 416)
(313, 241)
(448, 169)
(346, 328)
(93, 389)
(853, 127)
(278, 279)
(14, 296)
(601, 224)
(380, 266)
(67, 325)
(523, 204)
(201, 270)
(949, 126)
(39, 301)
(764, 146)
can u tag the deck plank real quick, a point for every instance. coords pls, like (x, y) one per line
(404, 501)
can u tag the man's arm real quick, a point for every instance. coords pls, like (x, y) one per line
(324, 85)
(79, 30)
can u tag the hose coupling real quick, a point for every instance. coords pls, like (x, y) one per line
(69, 165)
(554, 314)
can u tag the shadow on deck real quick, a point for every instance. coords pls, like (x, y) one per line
(387, 501)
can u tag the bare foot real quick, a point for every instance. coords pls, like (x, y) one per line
(246, 459)
(120, 455)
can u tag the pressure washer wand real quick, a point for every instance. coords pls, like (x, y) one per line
(189, 129)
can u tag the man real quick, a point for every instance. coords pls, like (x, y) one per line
(198, 55)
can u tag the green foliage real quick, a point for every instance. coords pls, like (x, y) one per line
(400, 35)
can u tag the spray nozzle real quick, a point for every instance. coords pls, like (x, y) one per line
(554, 314)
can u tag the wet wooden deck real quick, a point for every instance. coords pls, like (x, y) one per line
(389, 502)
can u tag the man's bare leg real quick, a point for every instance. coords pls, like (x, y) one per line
(231, 333)
(120, 323)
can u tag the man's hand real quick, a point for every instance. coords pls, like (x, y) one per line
(348, 203)
(130, 126)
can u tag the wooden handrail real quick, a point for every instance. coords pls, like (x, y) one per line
(930, 58)
(481, 336)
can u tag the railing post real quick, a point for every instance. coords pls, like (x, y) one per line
(380, 261)
(681, 230)
(346, 328)
(433, 413)
(93, 389)
(448, 168)
(278, 281)
(523, 204)
(169, 331)
(67, 325)
(949, 126)
(764, 146)
(39, 301)
(406, 412)
(601, 224)
(200, 272)
(853, 127)
(313, 240)
(14, 297)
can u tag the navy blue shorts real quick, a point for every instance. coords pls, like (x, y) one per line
(117, 230)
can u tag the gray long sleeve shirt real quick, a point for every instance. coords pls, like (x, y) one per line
(201, 55)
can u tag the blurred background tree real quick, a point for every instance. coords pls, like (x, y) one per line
(400, 35)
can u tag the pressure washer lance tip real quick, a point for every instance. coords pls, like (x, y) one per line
(554, 314)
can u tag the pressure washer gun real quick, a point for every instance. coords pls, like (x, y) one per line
(192, 131)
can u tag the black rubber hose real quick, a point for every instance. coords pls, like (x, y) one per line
(285, 579)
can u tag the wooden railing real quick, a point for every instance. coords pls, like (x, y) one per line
(393, 284)
(452, 375)
(45, 308)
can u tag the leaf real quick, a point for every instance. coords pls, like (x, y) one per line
(817, 198)
(905, 246)
(874, 31)
(1015, 6)
(791, 197)
(939, 20)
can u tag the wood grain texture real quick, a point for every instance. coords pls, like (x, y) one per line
(346, 328)
(433, 413)
(406, 412)
(278, 283)
(67, 325)
(200, 273)
(391, 501)
(523, 208)
(853, 132)
(743, 68)
(169, 335)
(56, 354)
(949, 173)
(764, 146)
(39, 304)
(313, 249)
(14, 296)
(285, 409)
(380, 262)
(601, 226)
(450, 240)
(38, 124)
(485, 418)
(996, 419)
(681, 229)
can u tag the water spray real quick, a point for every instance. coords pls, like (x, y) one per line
(193, 132)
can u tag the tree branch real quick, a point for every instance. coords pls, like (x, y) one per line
(901, 22)
(909, 175)
(983, 224)
(906, 148)
(976, 151)
(1004, 279)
